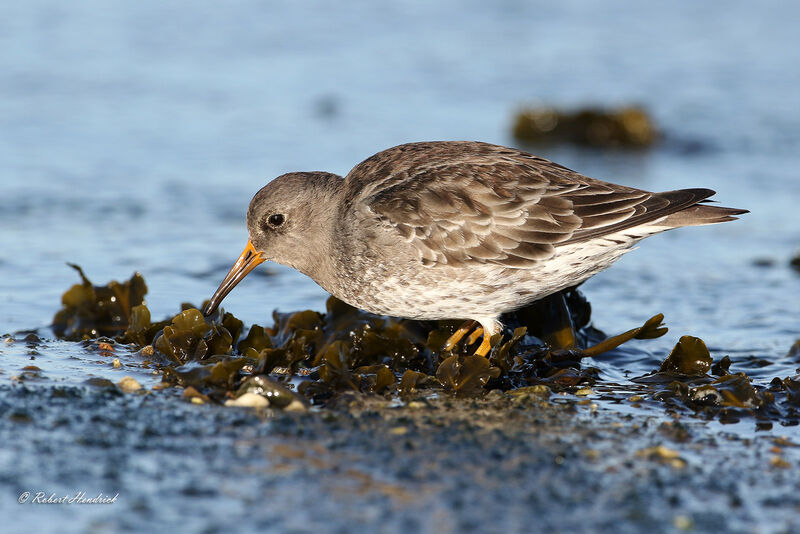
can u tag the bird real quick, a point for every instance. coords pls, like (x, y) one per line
(454, 230)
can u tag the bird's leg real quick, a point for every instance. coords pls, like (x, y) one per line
(486, 345)
(490, 328)
(487, 330)
(458, 334)
(473, 337)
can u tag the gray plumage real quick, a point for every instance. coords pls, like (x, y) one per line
(458, 230)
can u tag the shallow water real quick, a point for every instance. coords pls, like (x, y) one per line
(130, 148)
(132, 136)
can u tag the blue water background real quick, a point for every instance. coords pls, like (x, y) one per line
(133, 134)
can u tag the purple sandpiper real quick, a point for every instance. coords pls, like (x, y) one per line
(454, 230)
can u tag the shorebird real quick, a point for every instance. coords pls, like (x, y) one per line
(454, 230)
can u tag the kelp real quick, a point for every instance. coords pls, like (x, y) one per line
(308, 357)
(628, 127)
(794, 262)
(689, 357)
(91, 311)
(190, 337)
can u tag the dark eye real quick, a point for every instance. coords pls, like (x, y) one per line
(275, 219)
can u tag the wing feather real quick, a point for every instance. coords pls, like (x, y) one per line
(459, 203)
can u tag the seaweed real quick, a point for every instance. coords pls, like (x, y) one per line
(91, 311)
(689, 357)
(190, 337)
(794, 262)
(465, 375)
(629, 127)
(308, 357)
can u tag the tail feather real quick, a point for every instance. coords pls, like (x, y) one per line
(665, 210)
(702, 213)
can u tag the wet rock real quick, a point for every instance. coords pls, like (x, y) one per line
(248, 400)
(195, 397)
(779, 463)
(20, 416)
(32, 339)
(663, 454)
(629, 127)
(101, 383)
(129, 384)
(538, 392)
(273, 392)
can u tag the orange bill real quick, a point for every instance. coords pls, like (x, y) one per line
(249, 259)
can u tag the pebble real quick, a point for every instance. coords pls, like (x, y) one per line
(296, 406)
(194, 396)
(779, 462)
(249, 400)
(129, 384)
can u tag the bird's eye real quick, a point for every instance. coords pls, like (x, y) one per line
(275, 219)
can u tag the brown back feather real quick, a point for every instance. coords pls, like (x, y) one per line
(463, 202)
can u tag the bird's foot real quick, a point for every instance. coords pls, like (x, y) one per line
(473, 337)
(477, 331)
(453, 340)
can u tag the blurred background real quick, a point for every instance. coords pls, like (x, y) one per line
(133, 134)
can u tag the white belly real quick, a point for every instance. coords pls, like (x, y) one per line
(481, 290)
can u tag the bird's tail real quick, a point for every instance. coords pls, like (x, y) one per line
(703, 213)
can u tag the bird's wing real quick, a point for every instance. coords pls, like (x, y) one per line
(462, 202)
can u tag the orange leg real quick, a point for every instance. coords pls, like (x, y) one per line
(478, 331)
(458, 334)
(473, 337)
(486, 345)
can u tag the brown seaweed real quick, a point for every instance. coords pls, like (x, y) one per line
(91, 311)
(319, 358)
(629, 127)
(689, 357)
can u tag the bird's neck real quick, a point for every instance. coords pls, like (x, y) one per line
(316, 260)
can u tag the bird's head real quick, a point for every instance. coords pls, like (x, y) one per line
(288, 221)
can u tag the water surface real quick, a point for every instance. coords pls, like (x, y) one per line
(132, 136)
